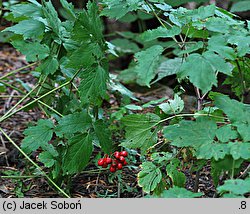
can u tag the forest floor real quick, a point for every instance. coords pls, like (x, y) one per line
(91, 182)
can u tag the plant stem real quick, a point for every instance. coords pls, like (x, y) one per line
(15, 71)
(34, 164)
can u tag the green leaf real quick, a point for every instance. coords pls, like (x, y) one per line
(125, 46)
(147, 64)
(93, 85)
(236, 186)
(167, 67)
(118, 8)
(227, 164)
(38, 136)
(212, 150)
(47, 158)
(201, 69)
(83, 56)
(72, 123)
(69, 8)
(240, 6)
(104, 136)
(177, 192)
(28, 28)
(149, 177)
(174, 106)
(219, 45)
(26, 10)
(160, 32)
(217, 24)
(237, 112)
(240, 150)
(242, 42)
(51, 16)
(191, 48)
(139, 133)
(226, 133)
(32, 50)
(48, 66)
(178, 178)
(78, 154)
(191, 133)
(160, 157)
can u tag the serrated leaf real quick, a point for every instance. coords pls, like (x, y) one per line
(240, 6)
(72, 123)
(93, 85)
(78, 154)
(159, 157)
(217, 24)
(38, 136)
(240, 150)
(104, 136)
(226, 133)
(147, 64)
(149, 177)
(174, 106)
(138, 131)
(26, 10)
(242, 42)
(125, 46)
(191, 133)
(212, 150)
(178, 178)
(83, 56)
(69, 8)
(168, 67)
(51, 16)
(191, 48)
(48, 66)
(47, 158)
(236, 186)
(160, 32)
(227, 164)
(118, 8)
(28, 28)
(177, 192)
(237, 113)
(219, 45)
(199, 71)
(32, 50)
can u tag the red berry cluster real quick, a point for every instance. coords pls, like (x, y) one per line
(116, 163)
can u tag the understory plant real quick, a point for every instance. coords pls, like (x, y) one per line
(194, 46)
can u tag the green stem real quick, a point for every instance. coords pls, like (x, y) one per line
(11, 86)
(19, 177)
(34, 164)
(18, 103)
(39, 98)
(15, 71)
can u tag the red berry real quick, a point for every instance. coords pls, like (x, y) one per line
(122, 159)
(108, 160)
(119, 166)
(112, 169)
(124, 163)
(105, 165)
(117, 155)
(100, 162)
(123, 153)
